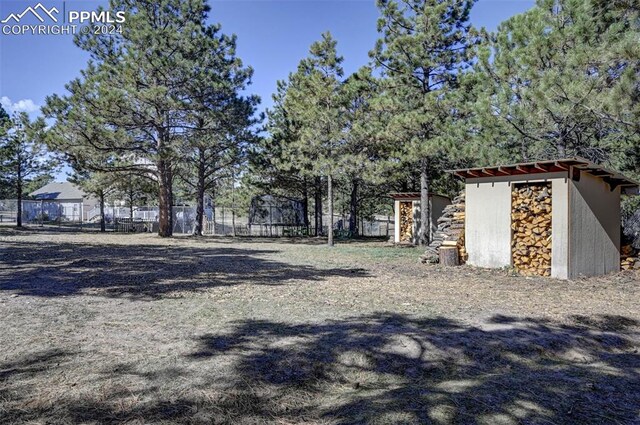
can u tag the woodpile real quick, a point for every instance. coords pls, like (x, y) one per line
(629, 258)
(531, 226)
(450, 232)
(406, 221)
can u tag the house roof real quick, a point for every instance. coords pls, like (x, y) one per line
(614, 178)
(59, 191)
(412, 195)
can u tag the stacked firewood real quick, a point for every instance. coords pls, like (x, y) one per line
(406, 221)
(531, 225)
(450, 231)
(629, 258)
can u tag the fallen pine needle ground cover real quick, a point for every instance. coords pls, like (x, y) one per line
(131, 328)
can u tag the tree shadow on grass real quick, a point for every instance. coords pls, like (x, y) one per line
(145, 271)
(394, 369)
(383, 368)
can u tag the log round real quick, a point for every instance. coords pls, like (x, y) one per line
(449, 256)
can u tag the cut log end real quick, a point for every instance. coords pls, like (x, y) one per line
(449, 256)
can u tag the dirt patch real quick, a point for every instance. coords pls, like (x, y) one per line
(133, 328)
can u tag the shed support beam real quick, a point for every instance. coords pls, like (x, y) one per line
(574, 173)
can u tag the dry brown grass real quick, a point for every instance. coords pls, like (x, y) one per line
(135, 329)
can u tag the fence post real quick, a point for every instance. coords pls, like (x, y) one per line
(233, 222)
(388, 220)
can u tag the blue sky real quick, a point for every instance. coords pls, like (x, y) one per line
(273, 35)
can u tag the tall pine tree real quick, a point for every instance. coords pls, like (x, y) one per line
(142, 89)
(559, 81)
(424, 46)
(23, 155)
(315, 103)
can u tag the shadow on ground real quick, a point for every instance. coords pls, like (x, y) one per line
(145, 270)
(382, 368)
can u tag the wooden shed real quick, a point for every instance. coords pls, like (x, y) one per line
(553, 218)
(407, 214)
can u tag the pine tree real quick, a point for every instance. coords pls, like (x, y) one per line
(557, 81)
(424, 47)
(363, 157)
(6, 189)
(314, 102)
(133, 190)
(139, 96)
(96, 183)
(271, 168)
(222, 120)
(217, 145)
(23, 155)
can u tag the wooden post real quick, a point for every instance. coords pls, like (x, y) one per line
(449, 256)
(388, 221)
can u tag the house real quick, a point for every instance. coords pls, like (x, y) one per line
(407, 214)
(70, 201)
(557, 218)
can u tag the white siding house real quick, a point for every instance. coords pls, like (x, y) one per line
(74, 203)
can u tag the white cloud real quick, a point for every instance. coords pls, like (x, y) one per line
(22, 105)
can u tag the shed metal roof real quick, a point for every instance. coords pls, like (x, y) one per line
(59, 191)
(573, 165)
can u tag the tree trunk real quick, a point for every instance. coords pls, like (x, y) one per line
(233, 206)
(131, 200)
(561, 147)
(330, 201)
(424, 235)
(353, 209)
(318, 206)
(200, 195)
(103, 227)
(197, 231)
(212, 195)
(233, 222)
(305, 204)
(19, 193)
(165, 199)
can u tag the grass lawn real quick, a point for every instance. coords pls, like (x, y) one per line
(133, 328)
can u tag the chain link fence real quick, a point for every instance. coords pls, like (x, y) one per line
(220, 221)
(41, 212)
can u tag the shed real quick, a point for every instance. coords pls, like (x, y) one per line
(558, 218)
(407, 214)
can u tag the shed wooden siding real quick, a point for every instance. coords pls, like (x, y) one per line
(396, 221)
(560, 228)
(488, 218)
(594, 228)
(488, 223)
(438, 204)
(417, 223)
